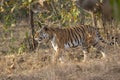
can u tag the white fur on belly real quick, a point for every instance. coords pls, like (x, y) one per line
(71, 44)
(75, 43)
(66, 45)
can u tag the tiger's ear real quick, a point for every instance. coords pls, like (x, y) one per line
(45, 28)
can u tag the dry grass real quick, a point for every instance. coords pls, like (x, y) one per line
(37, 65)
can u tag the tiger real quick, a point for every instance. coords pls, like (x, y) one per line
(84, 36)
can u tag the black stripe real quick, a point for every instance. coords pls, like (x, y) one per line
(68, 44)
(76, 37)
(71, 36)
(82, 32)
(95, 44)
(78, 33)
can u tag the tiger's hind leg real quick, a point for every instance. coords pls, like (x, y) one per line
(57, 58)
(103, 54)
(100, 49)
(85, 52)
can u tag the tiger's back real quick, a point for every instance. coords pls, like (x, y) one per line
(77, 36)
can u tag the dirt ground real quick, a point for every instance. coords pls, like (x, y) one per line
(37, 65)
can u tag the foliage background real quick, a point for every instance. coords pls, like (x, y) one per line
(65, 12)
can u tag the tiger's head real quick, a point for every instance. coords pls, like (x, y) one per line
(42, 35)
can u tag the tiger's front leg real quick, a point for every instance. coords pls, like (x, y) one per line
(56, 56)
(85, 55)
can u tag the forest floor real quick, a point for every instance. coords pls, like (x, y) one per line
(36, 65)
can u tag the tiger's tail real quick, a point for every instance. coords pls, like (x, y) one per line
(103, 40)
